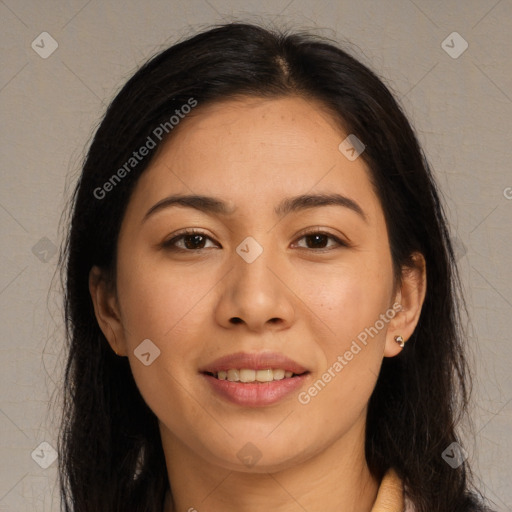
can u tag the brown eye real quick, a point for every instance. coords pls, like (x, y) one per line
(188, 241)
(320, 240)
(194, 241)
(317, 241)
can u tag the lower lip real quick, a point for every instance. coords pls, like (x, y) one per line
(255, 394)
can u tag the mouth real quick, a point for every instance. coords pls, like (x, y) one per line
(250, 376)
(254, 380)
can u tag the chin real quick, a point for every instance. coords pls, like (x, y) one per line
(264, 456)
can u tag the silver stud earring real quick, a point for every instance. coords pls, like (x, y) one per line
(400, 341)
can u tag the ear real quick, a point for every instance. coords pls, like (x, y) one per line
(106, 310)
(410, 296)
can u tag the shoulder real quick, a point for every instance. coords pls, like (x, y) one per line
(472, 503)
(475, 504)
(473, 507)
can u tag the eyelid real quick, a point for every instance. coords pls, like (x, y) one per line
(168, 242)
(319, 230)
(315, 230)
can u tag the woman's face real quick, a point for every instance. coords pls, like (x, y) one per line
(254, 288)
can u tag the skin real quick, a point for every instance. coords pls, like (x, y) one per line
(306, 301)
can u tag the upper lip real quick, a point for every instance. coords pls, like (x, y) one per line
(258, 361)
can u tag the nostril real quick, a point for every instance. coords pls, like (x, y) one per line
(236, 320)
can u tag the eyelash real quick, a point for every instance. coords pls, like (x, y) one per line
(170, 244)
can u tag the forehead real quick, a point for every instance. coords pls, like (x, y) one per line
(261, 124)
(255, 150)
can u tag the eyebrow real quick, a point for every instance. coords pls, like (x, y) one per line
(213, 205)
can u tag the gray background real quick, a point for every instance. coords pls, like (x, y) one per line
(461, 108)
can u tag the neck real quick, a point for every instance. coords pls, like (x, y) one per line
(337, 478)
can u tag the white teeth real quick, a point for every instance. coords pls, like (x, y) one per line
(278, 374)
(248, 375)
(233, 375)
(264, 375)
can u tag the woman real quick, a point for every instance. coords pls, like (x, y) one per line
(262, 301)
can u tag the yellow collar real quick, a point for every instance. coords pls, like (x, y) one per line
(390, 497)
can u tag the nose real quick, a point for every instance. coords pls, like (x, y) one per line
(255, 295)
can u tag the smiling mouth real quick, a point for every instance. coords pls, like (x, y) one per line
(249, 376)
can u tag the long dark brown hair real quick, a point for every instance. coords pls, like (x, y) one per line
(110, 453)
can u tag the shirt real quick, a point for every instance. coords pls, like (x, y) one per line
(391, 496)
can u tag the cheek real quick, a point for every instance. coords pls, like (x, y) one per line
(158, 299)
(167, 305)
(349, 303)
(348, 297)
(171, 305)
